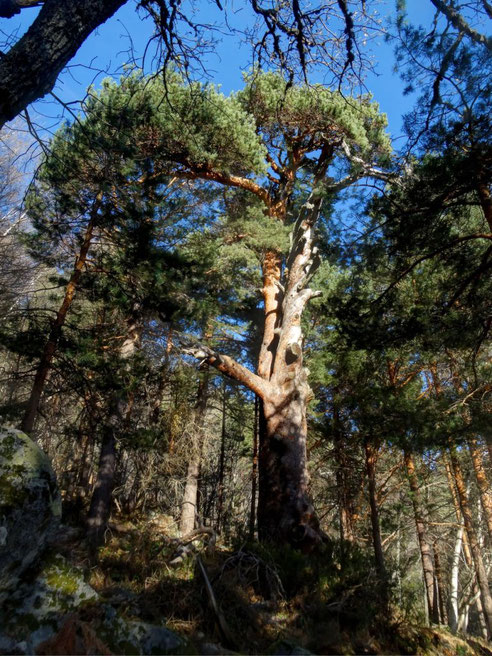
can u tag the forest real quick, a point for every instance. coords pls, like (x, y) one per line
(245, 355)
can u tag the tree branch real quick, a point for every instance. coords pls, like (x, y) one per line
(227, 366)
(459, 23)
(30, 69)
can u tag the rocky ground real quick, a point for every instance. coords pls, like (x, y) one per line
(142, 599)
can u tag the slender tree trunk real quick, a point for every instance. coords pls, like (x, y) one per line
(482, 483)
(476, 550)
(254, 472)
(44, 365)
(463, 618)
(424, 544)
(220, 496)
(343, 496)
(439, 585)
(190, 496)
(119, 412)
(371, 458)
(454, 582)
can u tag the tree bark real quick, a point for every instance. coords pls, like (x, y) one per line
(424, 544)
(100, 507)
(475, 547)
(221, 490)
(49, 350)
(454, 582)
(119, 410)
(254, 471)
(371, 457)
(29, 70)
(285, 511)
(190, 496)
(482, 483)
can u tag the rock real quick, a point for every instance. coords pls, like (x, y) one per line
(30, 506)
(58, 611)
(46, 606)
(38, 608)
(288, 648)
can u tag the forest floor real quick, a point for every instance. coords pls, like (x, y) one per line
(265, 602)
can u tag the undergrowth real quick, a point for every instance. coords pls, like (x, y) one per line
(273, 600)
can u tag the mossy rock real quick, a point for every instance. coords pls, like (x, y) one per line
(57, 599)
(30, 506)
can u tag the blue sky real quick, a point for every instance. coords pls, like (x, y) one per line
(108, 49)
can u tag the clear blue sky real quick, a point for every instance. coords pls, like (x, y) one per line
(107, 50)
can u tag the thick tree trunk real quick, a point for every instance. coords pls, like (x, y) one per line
(190, 497)
(49, 350)
(30, 68)
(285, 511)
(475, 547)
(424, 544)
(371, 457)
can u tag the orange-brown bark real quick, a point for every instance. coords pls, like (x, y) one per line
(482, 483)
(271, 301)
(44, 365)
(475, 547)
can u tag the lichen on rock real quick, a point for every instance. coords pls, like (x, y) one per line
(30, 506)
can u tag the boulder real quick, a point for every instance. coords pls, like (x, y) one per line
(30, 506)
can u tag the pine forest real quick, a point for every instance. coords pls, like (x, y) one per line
(245, 336)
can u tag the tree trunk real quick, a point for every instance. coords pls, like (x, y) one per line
(190, 496)
(343, 476)
(474, 543)
(44, 365)
(254, 472)
(100, 506)
(482, 483)
(371, 457)
(29, 70)
(221, 490)
(424, 544)
(119, 411)
(439, 585)
(285, 511)
(454, 582)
